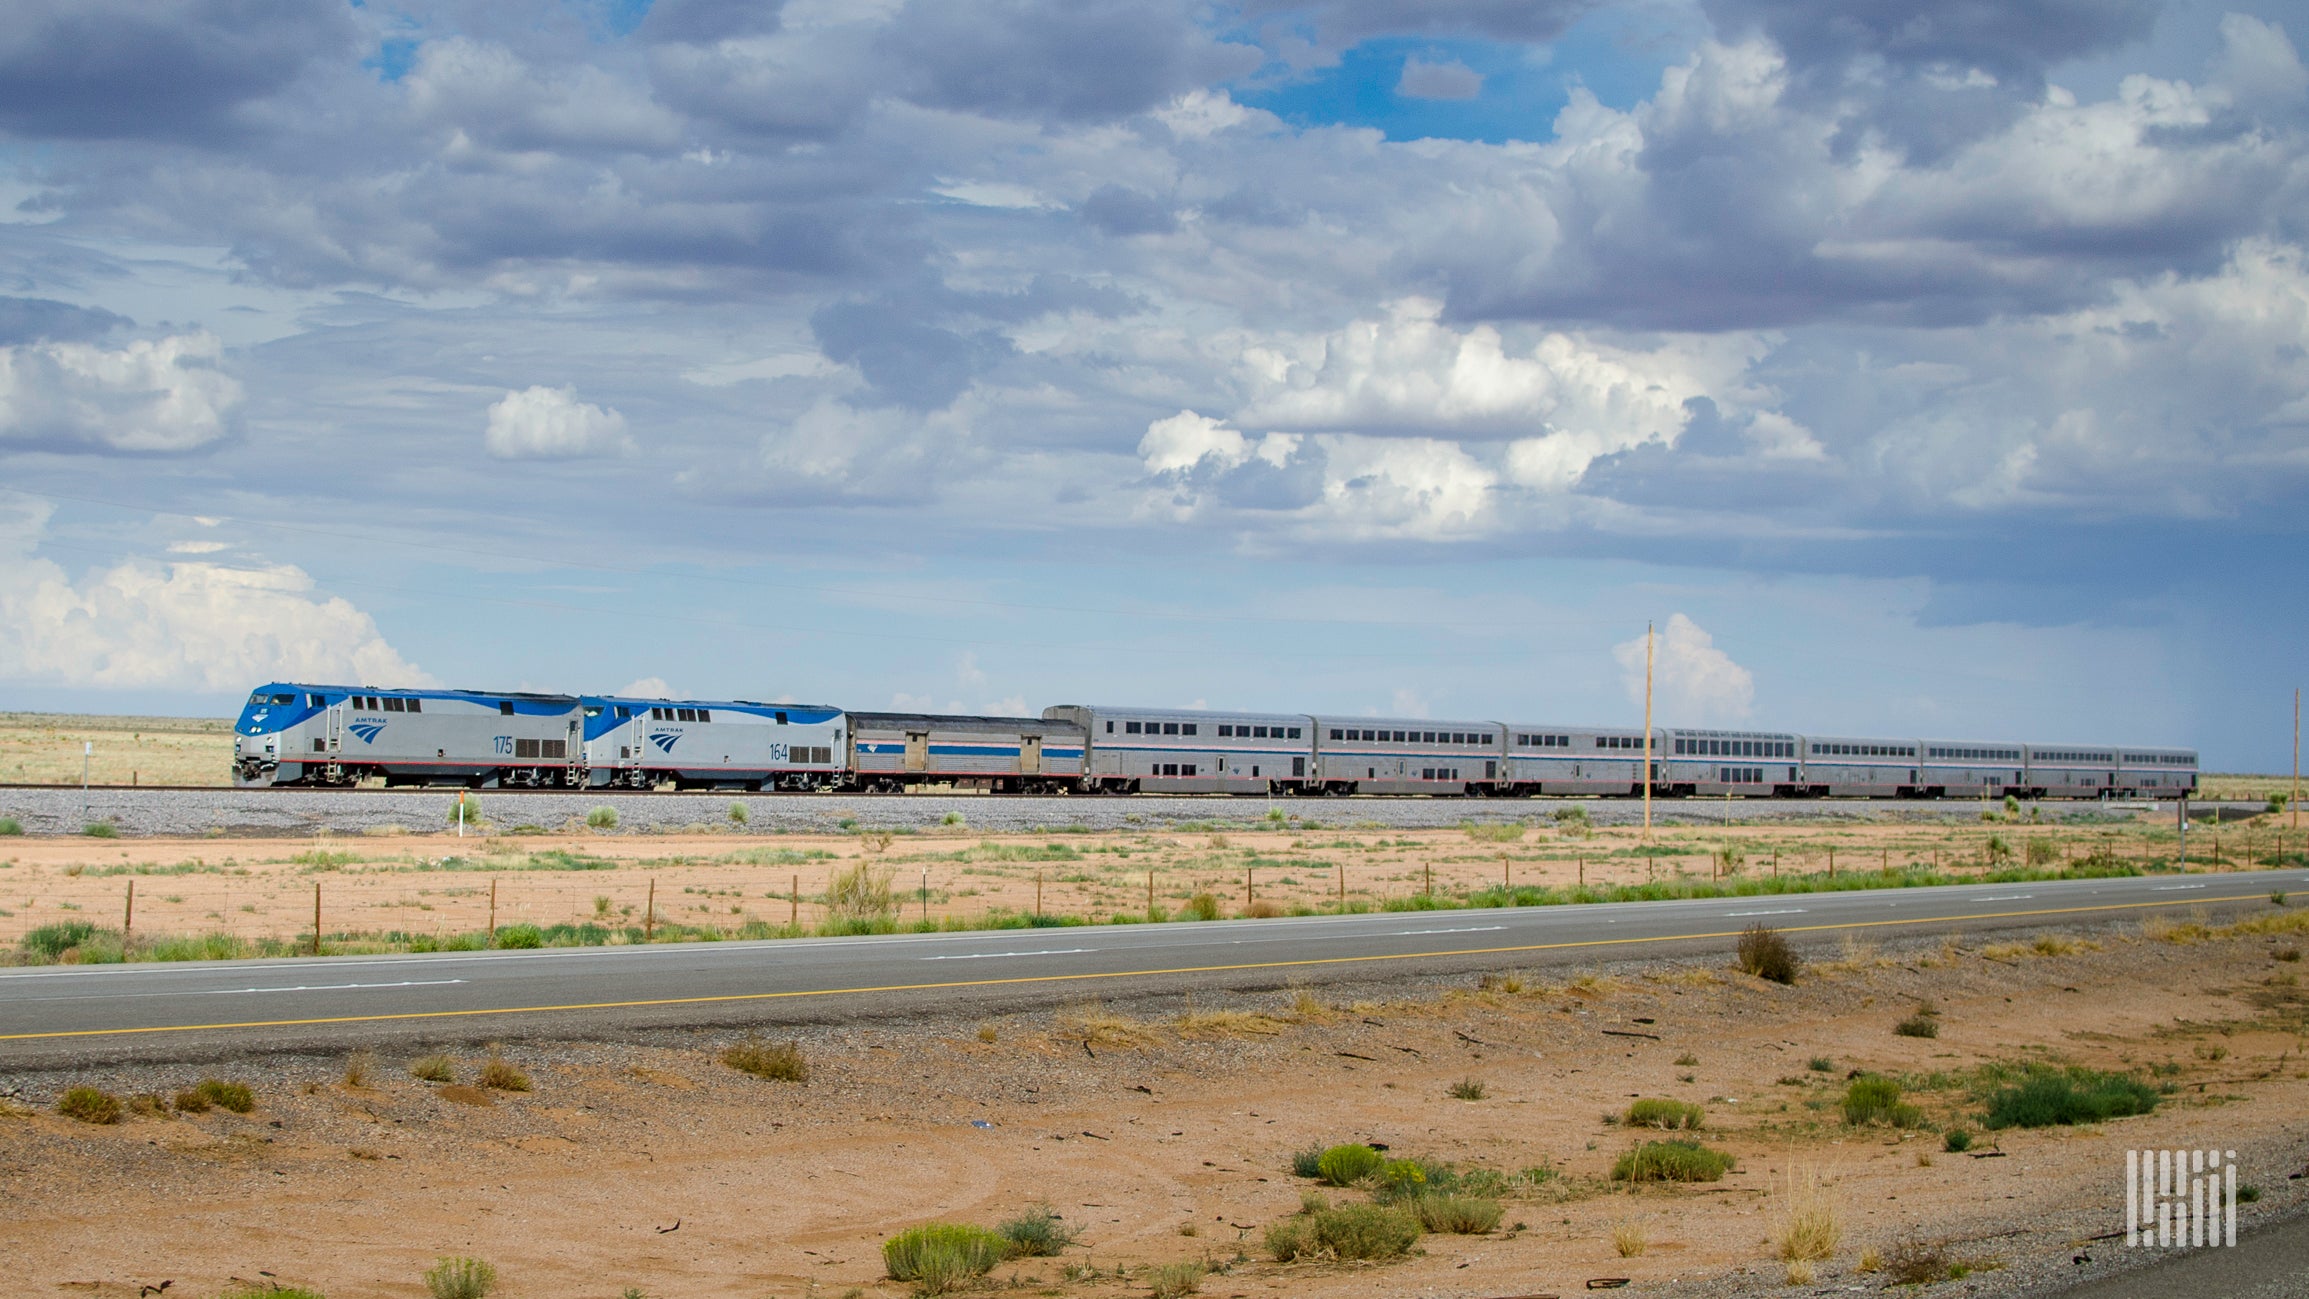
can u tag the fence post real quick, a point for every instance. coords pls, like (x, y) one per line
(316, 917)
(128, 919)
(794, 913)
(649, 914)
(1831, 863)
(1431, 879)
(1150, 893)
(1250, 889)
(1506, 874)
(493, 913)
(1583, 872)
(1038, 892)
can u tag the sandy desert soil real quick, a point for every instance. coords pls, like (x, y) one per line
(1164, 1133)
(380, 892)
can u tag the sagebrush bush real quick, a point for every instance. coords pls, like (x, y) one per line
(89, 1105)
(2048, 1097)
(460, 1278)
(738, 814)
(1663, 1113)
(520, 937)
(1202, 906)
(433, 1068)
(1677, 1160)
(1956, 1141)
(51, 942)
(942, 1257)
(1308, 1162)
(1764, 952)
(1352, 1231)
(498, 1074)
(1459, 1215)
(1348, 1164)
(779, 1061)
(1921, 1024)
(1469, 1089)
(1037, 1233)
(859, 893)
(10, 825)
(1175, 1280)
(464, 810)
(602, 818)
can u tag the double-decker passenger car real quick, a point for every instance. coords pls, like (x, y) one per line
(1400, 755)
(1549, 758)
(1188, 751)
(1712, 764)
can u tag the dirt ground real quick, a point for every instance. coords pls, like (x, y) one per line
(1164, 1133)
(377, 892)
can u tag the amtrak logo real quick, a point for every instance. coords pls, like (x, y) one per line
(368, 731)
(664, 740)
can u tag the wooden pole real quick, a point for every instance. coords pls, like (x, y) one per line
(1431, 879)
(1038, 893)
(128, 916)
(925, 895)
(1583, 872)
(1250, 893)
(1831, 863)
(1150, 893)
(2295, 802)
(649, 914)
(794, 912)
(316, 917)
(1647, 732)
(1506, 873)
(493, 913)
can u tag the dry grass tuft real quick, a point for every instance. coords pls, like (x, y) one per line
(1809, 1227)
(1261, 910)
(1307, 1008)
(1175, 1280)
(359, 1067)
(779, 1061)
(498, 1074)
(1629, 1238)
(1799, 1272)
(433, 1068)
(89, 1105)
(1226, 1023)
(464, 1095)
(1096, 1025)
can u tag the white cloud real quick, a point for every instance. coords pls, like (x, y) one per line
(1693, 682)
(484, 92)
(540, 423)
(153, 396)
(649, 688)
(1444, 79)
(183, 626)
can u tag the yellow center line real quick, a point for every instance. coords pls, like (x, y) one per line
(1110, 974)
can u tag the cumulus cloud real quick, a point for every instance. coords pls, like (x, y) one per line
(1438, 79)
(649, 688)
(1693, 682)
(485, 93)
(541, 423)
(154, 396)
(183, 626)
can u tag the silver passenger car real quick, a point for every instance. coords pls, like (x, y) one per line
(2071, 770)
(1709, 763)
(1407, 755)
(1861, 766)
(2156, 773)
(1972, 768)
(1190, 751)
(1550, 758)
(1005, 755)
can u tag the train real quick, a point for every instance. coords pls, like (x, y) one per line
(297, 734)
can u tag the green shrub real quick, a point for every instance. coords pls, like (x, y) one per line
(1308, 1162)
(1956, 1141)
(1764, 952)
(1458, 1215)
(779, 1061)
(463, 810)
(738, 814)
(1873, 1098)
(1400, 1179)
(10, 825)
(101, 830)
(1202, 906)
(515, 937)
(1921, 1024)
(1348, 1164)
(51, 942)
(233, 1096)
(941, 1257)
(951, 818)
(1037, 1233)
(460, 1278)
(602, 818)
(1351, 1231)
(433, 1068)
(89, 1105)
(1821, 1064)
(1469, 1089)
(1668, 1114)
(498, 1074)
(859, 893)
(2049, 1096)
(1676, 1160)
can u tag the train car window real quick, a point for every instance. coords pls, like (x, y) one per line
(415, 705)
(1130, 728)
(1337, 734)
(284, 699)
(505, 708)
(705, 714)
(317, 701)
(1187, 729)
(1225, 730)
(1186, 769)
(781, 719)
(1170, 728)
(1294, 734)
(1110, 728)
(685, 714)
(392, 705)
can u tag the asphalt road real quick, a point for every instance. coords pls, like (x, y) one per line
(2271, 1262)
(60, 1014)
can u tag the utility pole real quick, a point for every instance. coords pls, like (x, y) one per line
(88, 747)
(1647, 732)
(2295, 801)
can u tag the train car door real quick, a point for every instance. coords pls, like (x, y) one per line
(917, 751)
(1030, 755)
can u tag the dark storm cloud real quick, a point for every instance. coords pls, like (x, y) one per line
(1095, 60)
(778, 88)
(907, 362)
(160, 69)
(30, 320)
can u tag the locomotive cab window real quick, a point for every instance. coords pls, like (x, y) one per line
(505, 708)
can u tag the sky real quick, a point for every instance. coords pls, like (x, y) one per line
(1922, 369)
